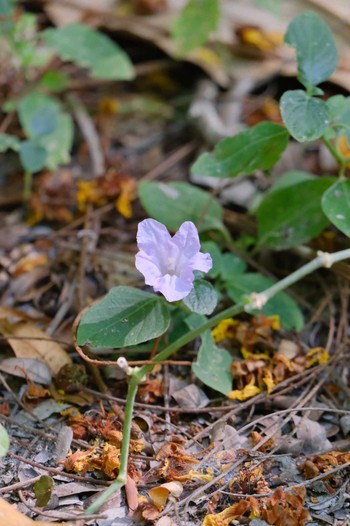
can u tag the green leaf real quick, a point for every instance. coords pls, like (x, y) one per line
(316, 51)
(33, 156)
(4, 441)
(126, 316)
(43, 490)
(290, 179)
(213, 365)
(88, 48)
(57, 143)
(336, 205)
(9, 142)
(195, 23)
(339, 113)
(215, 253)
(282, 305)
(291, 216)
(43, 122)
(174, 203)
(203, 297)
(257, 148)
(231, 266)
(305, 117)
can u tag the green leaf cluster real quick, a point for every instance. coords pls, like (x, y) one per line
(305, 115)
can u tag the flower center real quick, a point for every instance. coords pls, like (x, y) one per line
(171, 266)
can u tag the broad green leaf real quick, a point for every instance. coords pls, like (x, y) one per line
(57, 143)
(215, 252)
(44, 121)
(213, 365)
(195, 23)
(33, 156)
(43, 490)
(305, 117)
(339, 110)
(90, 49)
(9, 142)
(257, 148)
(126, 316)
(339, 113)
(231, 266)
(336, 205)
(290, 179)
(203, 297)
(174, 203)
(4, 441)
(291, 216)
(315, 47)
(282, 305)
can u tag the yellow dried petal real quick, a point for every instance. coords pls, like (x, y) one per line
(268, 381)
(125, 198)
(317, 356)
(248, 391)
(223, 330)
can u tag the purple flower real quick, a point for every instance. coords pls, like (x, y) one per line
(167, 262)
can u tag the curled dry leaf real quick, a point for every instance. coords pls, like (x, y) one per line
(159, 495)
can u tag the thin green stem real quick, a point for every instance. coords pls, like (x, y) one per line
(27, 188)
(255, 301)
(341, 159)
(124, 453)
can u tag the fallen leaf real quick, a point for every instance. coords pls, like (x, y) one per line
(11, 517)
(32, 369)
(159, 494)
(32, 342)
(226, 516)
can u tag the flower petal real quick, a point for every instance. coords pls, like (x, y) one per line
(148, 267)
(173, 288)
(151, 235)
(202, 262)
(187, 239)
(154, 239)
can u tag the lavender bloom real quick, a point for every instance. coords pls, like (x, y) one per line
(167, 262)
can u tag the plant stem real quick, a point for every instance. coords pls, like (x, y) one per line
(27, 188)
(124, 453)
(254, 301)
(341, 159)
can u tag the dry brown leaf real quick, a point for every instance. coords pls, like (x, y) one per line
(159, 494)
(225, 517)
(11, 517)
(76, 10)
(43, 348)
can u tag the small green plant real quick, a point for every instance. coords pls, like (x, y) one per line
(45, 120)
(295, 210)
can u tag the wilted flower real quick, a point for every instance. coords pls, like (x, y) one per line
(167, 262)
